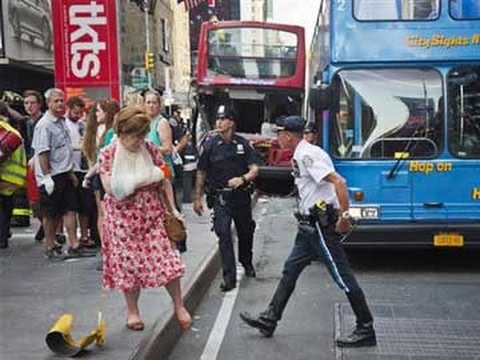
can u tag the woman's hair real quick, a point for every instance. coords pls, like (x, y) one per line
(90, 146)
(154, 93)
(132, 120)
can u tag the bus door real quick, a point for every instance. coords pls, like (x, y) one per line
(430, 188)
(445, 189)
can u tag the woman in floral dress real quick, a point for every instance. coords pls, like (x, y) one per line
(136, 250)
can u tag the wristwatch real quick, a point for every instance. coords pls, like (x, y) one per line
(345, 215)
(244, 178)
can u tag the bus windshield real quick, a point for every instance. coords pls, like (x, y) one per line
(252, 53)
(387, 114)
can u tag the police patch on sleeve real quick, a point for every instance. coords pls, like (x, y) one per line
(307, 161)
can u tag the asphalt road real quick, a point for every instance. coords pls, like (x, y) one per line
(425, 304)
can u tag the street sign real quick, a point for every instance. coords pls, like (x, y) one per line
(140, 82)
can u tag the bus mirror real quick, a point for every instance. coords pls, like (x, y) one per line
(321, 98)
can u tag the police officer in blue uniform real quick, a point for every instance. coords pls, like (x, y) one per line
(323, 219)
(226, 167)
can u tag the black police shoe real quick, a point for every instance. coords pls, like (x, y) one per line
(228, 284)
(363, 335)
(265, 325)
(250, 271)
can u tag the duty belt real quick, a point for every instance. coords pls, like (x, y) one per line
(304, 219)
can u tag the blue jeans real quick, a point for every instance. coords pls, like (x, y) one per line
(236, 207)
(309, 245)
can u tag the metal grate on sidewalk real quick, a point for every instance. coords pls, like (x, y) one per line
(410, 338)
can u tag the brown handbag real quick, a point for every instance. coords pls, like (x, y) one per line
(174, 227)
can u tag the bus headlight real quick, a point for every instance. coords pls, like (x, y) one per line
(364, 212)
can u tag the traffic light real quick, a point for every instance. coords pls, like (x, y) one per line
(149, 61)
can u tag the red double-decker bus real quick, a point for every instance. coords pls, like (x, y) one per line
(259, 69)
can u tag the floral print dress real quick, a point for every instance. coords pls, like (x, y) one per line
(136, 250)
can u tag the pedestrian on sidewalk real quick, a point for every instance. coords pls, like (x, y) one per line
(33, 102)
(161, 134)
(226, 168)
(137, 252)
(54, 175)
(76, 130)
(323, 219)
(98, 134)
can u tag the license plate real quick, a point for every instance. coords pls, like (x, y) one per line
(448, 240)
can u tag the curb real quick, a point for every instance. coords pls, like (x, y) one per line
(159, 343)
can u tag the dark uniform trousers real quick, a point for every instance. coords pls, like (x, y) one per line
(310, 246)
(311, 243)
(236, 206)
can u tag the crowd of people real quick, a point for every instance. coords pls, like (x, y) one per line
(108, 175)
(79, 180)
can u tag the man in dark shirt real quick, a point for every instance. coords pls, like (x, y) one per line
(32, 101)
(227, 165)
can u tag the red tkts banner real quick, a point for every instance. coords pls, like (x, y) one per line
(86, 48)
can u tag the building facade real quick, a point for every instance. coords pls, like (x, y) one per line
(26, 45)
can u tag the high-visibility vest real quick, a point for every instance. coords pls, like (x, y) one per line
(13, 171)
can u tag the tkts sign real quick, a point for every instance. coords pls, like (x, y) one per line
(86, 47)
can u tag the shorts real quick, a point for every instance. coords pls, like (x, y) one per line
(62, 200)
(96, 185)
(85, 199)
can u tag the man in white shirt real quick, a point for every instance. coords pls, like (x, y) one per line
(54, 173)
(323, 219)
(76, 130)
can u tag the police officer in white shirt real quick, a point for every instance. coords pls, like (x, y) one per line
(323, 219)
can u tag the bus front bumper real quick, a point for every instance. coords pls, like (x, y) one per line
(415, 235)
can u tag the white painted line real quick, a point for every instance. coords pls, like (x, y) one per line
(215, 340)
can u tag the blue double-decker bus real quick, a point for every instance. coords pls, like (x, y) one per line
(395, 93)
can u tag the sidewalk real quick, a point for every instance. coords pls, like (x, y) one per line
(35, 292)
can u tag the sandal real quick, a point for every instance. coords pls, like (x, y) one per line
(135, 325)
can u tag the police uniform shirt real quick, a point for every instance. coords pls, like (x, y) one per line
(223, 160)
(311, 165)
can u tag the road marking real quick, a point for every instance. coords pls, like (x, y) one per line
(215, 340)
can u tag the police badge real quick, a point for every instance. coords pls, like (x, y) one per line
(307, 161)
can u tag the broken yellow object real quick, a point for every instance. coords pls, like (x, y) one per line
(60, 340)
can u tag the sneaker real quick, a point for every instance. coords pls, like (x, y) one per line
(79, 252)
(53, 255)
(61, 238)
